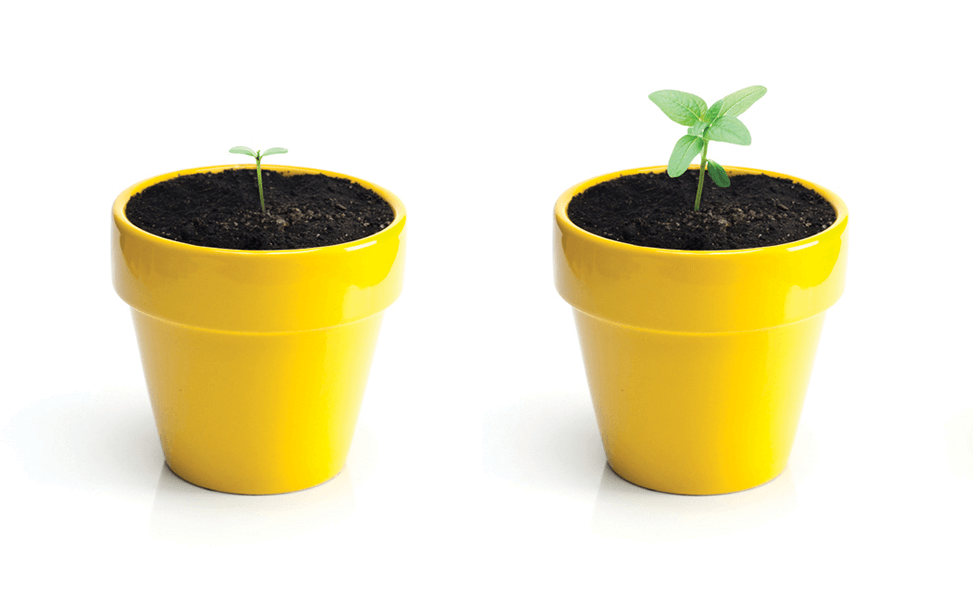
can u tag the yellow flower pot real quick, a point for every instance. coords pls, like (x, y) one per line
(256, 361)
(698, 361)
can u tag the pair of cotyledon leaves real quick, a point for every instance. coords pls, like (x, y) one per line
(257, 154)
(718, 123)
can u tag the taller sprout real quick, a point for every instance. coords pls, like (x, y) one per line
(718, 123)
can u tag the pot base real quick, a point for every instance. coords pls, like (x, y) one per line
(256, 413)
(698, 413)
(691, 494)
(174, 472)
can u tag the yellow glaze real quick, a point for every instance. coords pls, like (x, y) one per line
(256, 361)
(698, 361)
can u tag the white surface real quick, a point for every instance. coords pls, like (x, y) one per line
(477, 461)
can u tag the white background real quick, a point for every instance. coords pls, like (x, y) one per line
(477, 461)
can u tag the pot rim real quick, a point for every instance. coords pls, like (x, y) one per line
(257, 291)
(121, 219)
(699, 291)
(561, 206)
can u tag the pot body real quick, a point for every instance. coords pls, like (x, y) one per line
(698, 361)
(256, 361)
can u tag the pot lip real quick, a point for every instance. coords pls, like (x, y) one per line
(561, 216)
(125, 225)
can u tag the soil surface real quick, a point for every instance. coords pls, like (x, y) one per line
(654, 210)
(222, 210)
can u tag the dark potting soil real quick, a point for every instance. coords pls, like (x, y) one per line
(655, 210)
(222, 210)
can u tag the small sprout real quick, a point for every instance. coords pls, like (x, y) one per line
(258, 156)
(718, 123)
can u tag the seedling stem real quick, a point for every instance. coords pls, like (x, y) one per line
(259, 157)
(702, 175)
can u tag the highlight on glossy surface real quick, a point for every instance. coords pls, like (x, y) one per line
(256, 361)
(698, 361)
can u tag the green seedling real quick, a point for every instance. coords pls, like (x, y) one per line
(718, 123)
(258, 156)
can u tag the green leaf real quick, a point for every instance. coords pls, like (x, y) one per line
(728, 129)
(736, 103)
(713, 113)
(717, 173)
(685, 151)
(698, 128)
(243, 150)
(683, 108)
(270, 151)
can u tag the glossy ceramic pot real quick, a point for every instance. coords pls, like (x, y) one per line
(256, 361)
(698, 361)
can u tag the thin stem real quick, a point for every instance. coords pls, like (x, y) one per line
(260, 187)
(702, 175)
